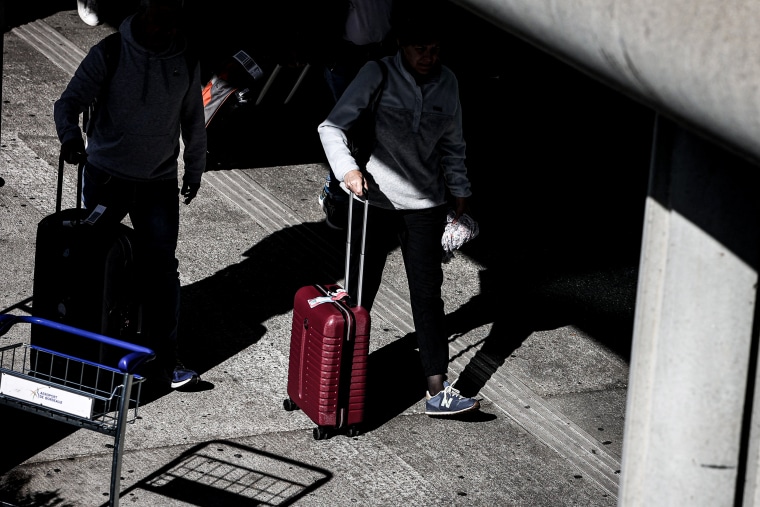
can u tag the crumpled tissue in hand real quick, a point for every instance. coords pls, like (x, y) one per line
(457, 234)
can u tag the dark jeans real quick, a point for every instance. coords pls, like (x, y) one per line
(153, 208)
(418, 233)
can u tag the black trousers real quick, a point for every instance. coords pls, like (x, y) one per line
(418, 233)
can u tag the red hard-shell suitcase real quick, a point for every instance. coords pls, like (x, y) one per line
(329, 349)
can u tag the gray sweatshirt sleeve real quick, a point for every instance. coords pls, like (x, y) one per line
(332, 131)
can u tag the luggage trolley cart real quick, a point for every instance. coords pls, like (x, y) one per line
(86, 394)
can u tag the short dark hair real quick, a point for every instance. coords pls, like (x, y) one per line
(420, 22)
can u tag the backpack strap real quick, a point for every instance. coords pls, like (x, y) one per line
(379, 90)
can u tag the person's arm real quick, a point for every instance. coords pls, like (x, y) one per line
(79, 94)
(452, 148)
(193, 130)
(332, 131)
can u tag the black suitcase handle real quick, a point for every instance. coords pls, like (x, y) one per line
(59, 191)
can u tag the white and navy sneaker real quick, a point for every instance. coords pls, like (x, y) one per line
(449, 402)
(183, 377)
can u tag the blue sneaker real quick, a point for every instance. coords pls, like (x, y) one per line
(449, 402)
(182, 376)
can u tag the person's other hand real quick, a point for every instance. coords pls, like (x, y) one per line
(355, 182)
(460, 207)
(73, 151)
(189, 191)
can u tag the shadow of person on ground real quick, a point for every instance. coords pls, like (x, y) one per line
(527, 293)
(225, 313)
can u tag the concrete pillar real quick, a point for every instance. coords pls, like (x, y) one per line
(692, 364)
(2, 49)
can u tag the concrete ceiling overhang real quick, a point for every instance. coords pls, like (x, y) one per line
(695, 61)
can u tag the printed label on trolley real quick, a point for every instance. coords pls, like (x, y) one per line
(45, 396)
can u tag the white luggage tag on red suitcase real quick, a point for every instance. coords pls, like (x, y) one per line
(331, 297)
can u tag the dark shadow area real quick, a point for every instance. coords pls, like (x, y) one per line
(111, 12)
(218, 472)
(281, 129)
(228, 308)
(406, 381)
(221, 472)
(687, 163)
(46, 433)
(20, 13)
(15, 482)
(559, 166)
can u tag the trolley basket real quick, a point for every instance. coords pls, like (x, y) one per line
(98, 397)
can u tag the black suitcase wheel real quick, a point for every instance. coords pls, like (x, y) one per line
(289, 404)
(320, 433)
(353, 431)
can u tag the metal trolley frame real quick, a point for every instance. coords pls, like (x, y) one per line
(86, 394)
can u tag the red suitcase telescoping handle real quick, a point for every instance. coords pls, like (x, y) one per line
(364, 199)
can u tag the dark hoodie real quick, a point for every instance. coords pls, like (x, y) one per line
(150, 101)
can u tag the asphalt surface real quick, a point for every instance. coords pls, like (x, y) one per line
(540, 307)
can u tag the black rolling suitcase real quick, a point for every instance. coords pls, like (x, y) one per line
(83, 277)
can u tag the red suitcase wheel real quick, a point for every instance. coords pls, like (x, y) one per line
(289, 404)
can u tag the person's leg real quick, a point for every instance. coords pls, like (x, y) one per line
(155, 217)
(102, 189)
(421, 249)
(336, 79)
(381, 239)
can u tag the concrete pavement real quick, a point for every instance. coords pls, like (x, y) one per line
(552, 387)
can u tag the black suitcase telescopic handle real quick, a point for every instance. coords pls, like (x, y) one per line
(359, 287)
(59, 191)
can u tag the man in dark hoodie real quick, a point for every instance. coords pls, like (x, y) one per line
(150, 99)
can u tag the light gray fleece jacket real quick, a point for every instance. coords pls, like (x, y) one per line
(420, 149)
(150, 102)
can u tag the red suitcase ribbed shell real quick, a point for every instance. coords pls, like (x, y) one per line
(329, 349)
